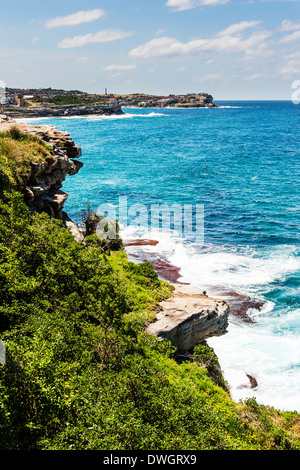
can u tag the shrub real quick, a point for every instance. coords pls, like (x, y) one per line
(106, 238)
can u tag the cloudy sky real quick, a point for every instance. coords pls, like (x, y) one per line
(232, 49)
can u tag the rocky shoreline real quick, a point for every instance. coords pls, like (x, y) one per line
(240, 304)
(51, 110)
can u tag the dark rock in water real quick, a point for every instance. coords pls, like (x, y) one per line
(142, 242)
(166, 270)
(240, 304)
(253, 381)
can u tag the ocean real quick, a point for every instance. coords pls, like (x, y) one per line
(234, 173)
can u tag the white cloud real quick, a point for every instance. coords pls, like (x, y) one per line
(75, 19)
(291, 65)
(181, 5)
(254, 76)
(290, 37)
(119, 67)
(102, 36)
(223, 42)
(287, 25)
(207, 78)
(238, 27)
(160, 32)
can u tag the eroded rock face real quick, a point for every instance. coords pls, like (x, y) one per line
(42, 186)
(189, 318)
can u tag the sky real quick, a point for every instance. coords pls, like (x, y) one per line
(231, 49)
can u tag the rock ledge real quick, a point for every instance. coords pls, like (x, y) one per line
(42, 186)
(189, 317)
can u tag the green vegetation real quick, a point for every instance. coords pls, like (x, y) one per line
(104, 235)
(69, 99)
(80, 371)
(17, 151)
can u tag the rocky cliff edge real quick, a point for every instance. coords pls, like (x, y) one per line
(189, 317)
(42, 185)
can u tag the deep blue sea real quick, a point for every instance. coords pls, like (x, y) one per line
(240, 163)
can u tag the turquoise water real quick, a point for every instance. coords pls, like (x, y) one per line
(241, 162)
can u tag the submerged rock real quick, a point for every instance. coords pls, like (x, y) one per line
(166, 270)
(252, 380)
(142, 242)
(239, 304)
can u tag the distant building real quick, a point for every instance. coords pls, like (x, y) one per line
(19, 99)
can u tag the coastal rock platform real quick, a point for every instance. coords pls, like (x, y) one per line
(189, 317)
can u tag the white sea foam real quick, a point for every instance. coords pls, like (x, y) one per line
(246, 272)
(31, 119)
(269, 349)
(94, 117)
(232, 269)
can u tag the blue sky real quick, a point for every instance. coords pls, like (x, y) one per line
(247, 49)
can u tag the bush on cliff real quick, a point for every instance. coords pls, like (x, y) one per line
(80, 371)
(100, 232)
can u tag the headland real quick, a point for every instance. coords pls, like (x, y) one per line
(41, 103)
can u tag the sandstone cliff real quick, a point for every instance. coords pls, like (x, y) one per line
(189, 317)
(42, 185)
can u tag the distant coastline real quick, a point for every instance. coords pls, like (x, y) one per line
(39, 103)
(15, 112)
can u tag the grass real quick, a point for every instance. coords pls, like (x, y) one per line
(17, 151)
